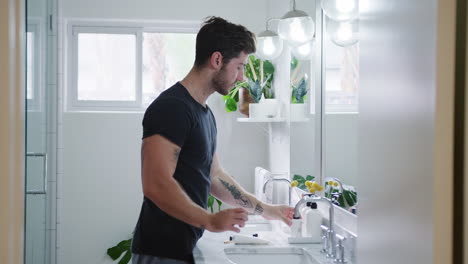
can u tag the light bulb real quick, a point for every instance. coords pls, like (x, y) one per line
(268, 47)
(296, 30)
(304, 51)
(344, 6)
(341, 10)
(344, 32)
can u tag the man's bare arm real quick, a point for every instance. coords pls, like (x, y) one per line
(228, 190)
(159, 160)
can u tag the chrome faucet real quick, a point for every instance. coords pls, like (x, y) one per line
(335, 196)
(330, 248)
(338, 181)
(273, 179)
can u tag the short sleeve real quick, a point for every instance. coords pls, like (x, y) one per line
(170, 118)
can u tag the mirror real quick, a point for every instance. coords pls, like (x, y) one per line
(304, 140)
(324, 140)
(340, 115)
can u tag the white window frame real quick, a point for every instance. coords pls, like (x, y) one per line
(72, 93)
(35, 25)
(74, 27)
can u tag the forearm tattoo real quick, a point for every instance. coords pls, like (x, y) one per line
(237, 195)
(258, 209)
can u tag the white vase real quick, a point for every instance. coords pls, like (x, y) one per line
(266, 108)
(297, 112)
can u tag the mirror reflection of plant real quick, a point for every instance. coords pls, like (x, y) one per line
(306, 183)
(299, 92)
(259, 74)
(298, 83)
(301, 181)
(347, 199)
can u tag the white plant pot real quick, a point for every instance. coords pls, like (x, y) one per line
(266, 108)
(298, 112)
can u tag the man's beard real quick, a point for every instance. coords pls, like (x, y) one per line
(220, 85)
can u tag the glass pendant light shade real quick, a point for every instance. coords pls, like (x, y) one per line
(304, 51)
(341, 10)
(343, 33)
(296, 27)
(269, 45)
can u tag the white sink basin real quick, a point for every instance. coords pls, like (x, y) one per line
(252, 227)
(270, 255)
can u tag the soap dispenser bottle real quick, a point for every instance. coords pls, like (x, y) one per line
(311, 224)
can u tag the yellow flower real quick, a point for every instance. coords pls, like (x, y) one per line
(311, 189)
(309, 184)
(330, 182)
(319, 188)
(335, 184)
(294, 183)
(315, 184)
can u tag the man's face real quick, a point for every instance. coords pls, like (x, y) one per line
(229, 74)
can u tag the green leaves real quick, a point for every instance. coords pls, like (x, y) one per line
(231, 99)
(301, 180)
(211, 200)
(230, 104)
(121, 248)
(255, 90)
(347, 199)
(294, 63)
(299, 92)
(254, 83)
(219, 204)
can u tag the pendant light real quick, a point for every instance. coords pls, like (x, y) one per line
(269, 44)
(304, 51)
(343, 34)
(341, 10)
(296, 27)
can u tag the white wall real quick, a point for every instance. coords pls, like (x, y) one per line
(248, 13)
(100, 189)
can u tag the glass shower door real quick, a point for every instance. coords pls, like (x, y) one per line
(36, 124)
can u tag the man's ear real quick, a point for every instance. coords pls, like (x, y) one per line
(216, 60)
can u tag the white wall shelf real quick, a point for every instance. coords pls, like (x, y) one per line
(267, 120)
(261, 120)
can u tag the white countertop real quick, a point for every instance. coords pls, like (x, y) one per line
(210, 248)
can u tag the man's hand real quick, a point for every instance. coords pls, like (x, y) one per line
(226, 220)
(278, 212)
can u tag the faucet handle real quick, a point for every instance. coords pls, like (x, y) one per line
(324, 239)
(340, 250)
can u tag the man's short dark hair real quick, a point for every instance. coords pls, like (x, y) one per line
(217, 34)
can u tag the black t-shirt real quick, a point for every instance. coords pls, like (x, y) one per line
(176, 116)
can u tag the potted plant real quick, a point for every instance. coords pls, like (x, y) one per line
(258, 84)
(298, 92)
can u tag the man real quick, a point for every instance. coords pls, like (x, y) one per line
(179, 164)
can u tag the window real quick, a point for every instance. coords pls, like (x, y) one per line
(167, 58)
(33, 65)
(106, 67)
(125, 68)
(341, 77)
